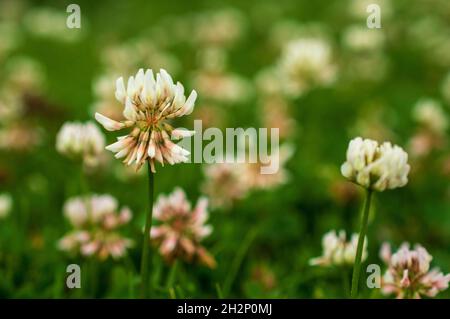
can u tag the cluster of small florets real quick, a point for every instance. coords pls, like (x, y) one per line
(95, 221)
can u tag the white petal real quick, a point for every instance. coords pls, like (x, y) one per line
(130, 110)
(180, 133)
(107, 123)
(120, 90)
(189, 105)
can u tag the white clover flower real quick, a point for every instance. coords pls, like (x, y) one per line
(305, 63)
(375, 166)
(409, 275)
(220, 28)
(5, 205)
(224, 87)
(337, 250)
(96, 220)
(149, 102)
(51, 23)
(223, 184)
(181, 228)
(252, 178)
(83, 140)
(361, 38)
(79, 210)
(429, 113)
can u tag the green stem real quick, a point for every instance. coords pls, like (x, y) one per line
(345, 277)
(359, 249)
(236, 263)
(93, 277)
(172, 274)
(145, 244)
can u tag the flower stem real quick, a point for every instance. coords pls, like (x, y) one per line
(145, 244)
(359, 249)
(237, 261)
(172, 274)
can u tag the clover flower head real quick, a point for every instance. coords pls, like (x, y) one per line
(224, 184)
(337, 250)
(376, 166)
(181, 228)
(306, 62)
(409, 275)
(359, 38)
(5, 205)
(81, 140)
(251, 173)
(149, 102)
(95, 220)
(429, 113)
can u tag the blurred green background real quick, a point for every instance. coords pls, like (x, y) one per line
(263, 242)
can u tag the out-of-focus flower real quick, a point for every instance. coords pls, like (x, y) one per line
(126, 57)
(222, 87)
(223, 184)
(265, 276)
(181, 229)
(5, 205)
(306, 63)
(9, 38)
(252, 177)
(212, 59)
(227, 182)
(343, 192)
(375, 166)
(268, 81)
(218, 28)
(95, 220)
(11, 107)
(105, 101)
(360, 38)
(81, 140)
(423, 142)
(337, 250)
(409, 275)
(429, 113)
(24, 75)
(275, 114)
(51, 23)
(149, 103)
(433, 125)
(211, 115)
(19, 137)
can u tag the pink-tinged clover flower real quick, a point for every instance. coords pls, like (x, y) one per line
(150, 101)
(95, 221)
(181, 229)
(409, 275)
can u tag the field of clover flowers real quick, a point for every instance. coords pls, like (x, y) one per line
(89, 123)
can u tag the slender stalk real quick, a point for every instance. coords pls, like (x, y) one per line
(345, 277)
(359, 249)
(172, 274)
(145, 244)
(237, 261)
